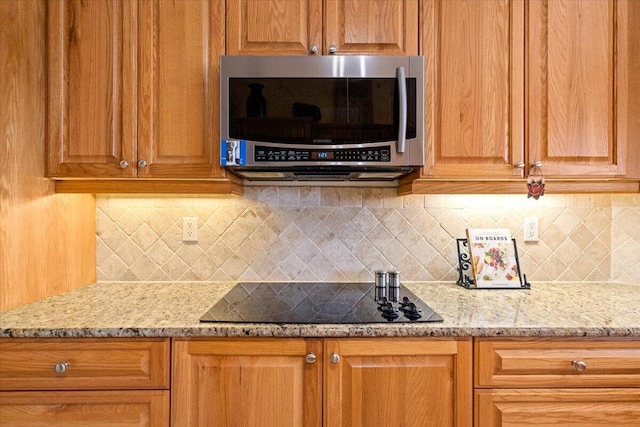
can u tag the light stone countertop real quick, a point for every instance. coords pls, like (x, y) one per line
(140, 309)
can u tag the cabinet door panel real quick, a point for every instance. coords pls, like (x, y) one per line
(178, 130)
(574, 64)
(246, 382)
(416, 382)
(86, 408)
(383, 27)
(474, 88)
(273, 27)
(549, 407)
(92, 88)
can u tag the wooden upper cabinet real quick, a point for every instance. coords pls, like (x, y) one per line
(405, 382)
(91, 99)
(273, 27)
(373, 27)
(474, 99)
(178, 109)
(285, 27)
(577, 81)
(134, 88)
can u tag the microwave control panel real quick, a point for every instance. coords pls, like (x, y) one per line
(271, 154)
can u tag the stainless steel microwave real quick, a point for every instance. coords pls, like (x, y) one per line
(322, 117)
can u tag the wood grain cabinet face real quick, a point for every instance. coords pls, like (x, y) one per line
(578, 94)
(91, 113)
(246, 382)
(85, 408)
(91, 364)
(84, 381)
(283, 27)
(367, 382)
(555, 81)
(404, 382)
(557, 382)
(558, 407)
(474, 88)
(543, 363)
(133, 88)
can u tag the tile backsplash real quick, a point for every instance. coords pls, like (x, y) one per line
(336, 234)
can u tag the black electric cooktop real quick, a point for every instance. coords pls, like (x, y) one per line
(316, 303)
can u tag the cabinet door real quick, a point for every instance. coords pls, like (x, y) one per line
(91, 117)
(274, 27)
(85, 408)
(561, 407)
(577, 100)
(404, 382)
(474, 99)
(178, 116)
(246, 382)
(373, 27)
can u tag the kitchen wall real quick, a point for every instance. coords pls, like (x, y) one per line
(46, 239)
(330, 233)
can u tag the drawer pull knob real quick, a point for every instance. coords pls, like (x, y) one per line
(61, 368)
(334, 358)
(310, 358)
(579, 365)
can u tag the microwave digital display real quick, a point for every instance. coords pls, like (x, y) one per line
(271, 154)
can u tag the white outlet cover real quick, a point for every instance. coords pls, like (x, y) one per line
(531, 229)
(190, 229)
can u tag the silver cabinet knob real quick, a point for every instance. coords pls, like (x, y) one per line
(310, 358)
(334, 358)
(61, 368)
(537, 164)
(124, 164)
(579, 365)
(519, 165)
(142, 163)
(313, 48)
(333, 48)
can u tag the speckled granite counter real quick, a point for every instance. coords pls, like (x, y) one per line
(173, 309)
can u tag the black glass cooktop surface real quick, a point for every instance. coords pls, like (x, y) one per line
(315, 303)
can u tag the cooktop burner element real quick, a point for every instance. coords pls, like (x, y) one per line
(316, 303)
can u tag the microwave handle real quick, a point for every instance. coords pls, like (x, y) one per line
(402, 110)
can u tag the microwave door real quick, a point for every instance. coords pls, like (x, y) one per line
(402, 110)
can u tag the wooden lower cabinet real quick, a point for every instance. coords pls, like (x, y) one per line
(556, 382)
(84, 382)
(558, 407)
(246, 382)
(148, 408)
(408, 382)
(365, 382)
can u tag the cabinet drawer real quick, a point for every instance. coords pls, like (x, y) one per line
(83, 363)
(557, 407)
(557, 363)
(85, 408)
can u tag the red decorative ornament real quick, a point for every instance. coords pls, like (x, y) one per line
(535, 183)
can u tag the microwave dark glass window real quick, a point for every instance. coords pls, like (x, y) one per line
(318, 111)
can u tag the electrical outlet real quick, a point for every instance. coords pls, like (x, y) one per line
(190, 229)
(531, 229)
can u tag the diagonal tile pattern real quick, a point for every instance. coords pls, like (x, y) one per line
(335, 234)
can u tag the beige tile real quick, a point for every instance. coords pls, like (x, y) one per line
(343, 233)
(352, 197)
(289, 196)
